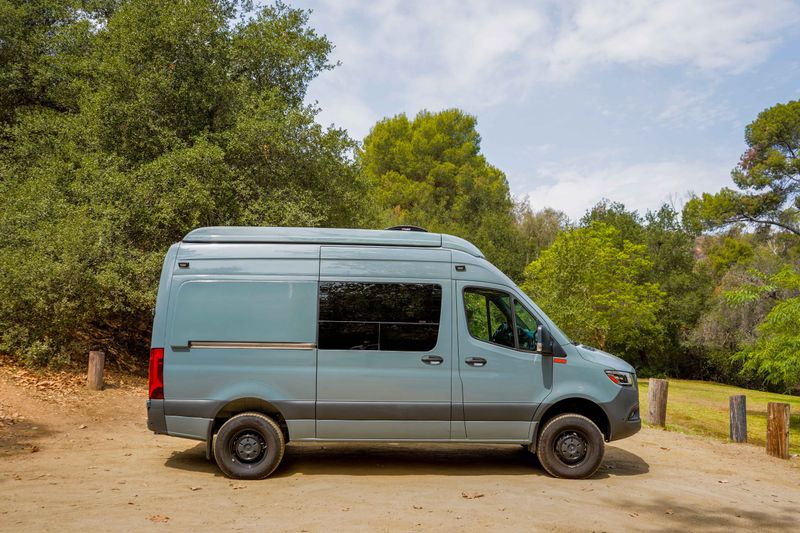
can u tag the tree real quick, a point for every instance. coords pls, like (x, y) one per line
(594, 285)
(670, 248)
(774, 355)
(172, 115)
(42, 52)
(429, 172)
(687, 287)
(628, 223)
(767, 176)
(538, 228)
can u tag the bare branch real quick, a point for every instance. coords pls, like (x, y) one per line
(755, 220)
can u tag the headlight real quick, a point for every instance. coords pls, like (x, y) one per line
(624, 379)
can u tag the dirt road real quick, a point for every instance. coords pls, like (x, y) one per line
(87, 462)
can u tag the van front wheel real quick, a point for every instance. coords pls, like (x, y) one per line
(570, 446)
(249, 446)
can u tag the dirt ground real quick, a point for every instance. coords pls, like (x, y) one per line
(85, 461)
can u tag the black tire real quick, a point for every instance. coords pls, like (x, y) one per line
(570, 446)
(249, 446)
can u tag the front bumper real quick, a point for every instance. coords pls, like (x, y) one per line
(623, 413)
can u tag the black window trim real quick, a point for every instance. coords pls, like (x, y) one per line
(438, 323)
(513, 299)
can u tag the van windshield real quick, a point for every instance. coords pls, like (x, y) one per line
(552, 324)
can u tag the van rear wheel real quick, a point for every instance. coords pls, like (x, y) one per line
(249, 446)
(570, 446)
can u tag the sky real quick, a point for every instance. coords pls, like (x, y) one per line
(641, 102)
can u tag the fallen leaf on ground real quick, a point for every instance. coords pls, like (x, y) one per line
(471, 495)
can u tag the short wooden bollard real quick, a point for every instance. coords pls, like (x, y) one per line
(657, 402)
(738, 407)
(778, 429)
(94, 378)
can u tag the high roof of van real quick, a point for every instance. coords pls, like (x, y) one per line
(364, 237)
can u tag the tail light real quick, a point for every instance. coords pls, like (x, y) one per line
(156, 373)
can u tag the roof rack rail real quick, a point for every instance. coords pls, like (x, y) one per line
(407, 228)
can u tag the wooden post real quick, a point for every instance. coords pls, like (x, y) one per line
(738, 407)
(778, 429)
(657, 402)
(94, 379)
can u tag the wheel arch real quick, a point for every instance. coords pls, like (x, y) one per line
(578, 405)
(249, 404)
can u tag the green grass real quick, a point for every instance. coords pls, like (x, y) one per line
(701, 408)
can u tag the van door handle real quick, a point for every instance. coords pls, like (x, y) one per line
(475, 361)
(432, 360)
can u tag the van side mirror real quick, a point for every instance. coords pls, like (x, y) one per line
(544, 341)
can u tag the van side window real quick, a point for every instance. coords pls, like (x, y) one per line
(489, 315)
(379, 316)
(526, 327)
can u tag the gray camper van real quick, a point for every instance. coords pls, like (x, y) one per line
(263, 336)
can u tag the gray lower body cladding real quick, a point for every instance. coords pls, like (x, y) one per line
(623, 414)
(195, 418)
(156, 421)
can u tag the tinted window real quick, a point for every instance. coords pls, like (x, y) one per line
(379, 316)
(489, 316)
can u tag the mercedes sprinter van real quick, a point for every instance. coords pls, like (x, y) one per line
(263, 336)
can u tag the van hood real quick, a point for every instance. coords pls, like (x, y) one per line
(605, 359)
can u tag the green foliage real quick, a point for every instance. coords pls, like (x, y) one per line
(429, 172)
(670, 248)
(44, 43)
(171, 115)
(744, 267)
(627, 223)
(687, 286)
(767, 176)
(538, 228)
(775, 353)
(728, 252)
(593, 284)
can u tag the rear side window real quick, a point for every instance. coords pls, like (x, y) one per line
(379, 316)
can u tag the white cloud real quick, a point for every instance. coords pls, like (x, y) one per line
(708, 34)
(475, 54)
(402, 56)
(639, 186)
